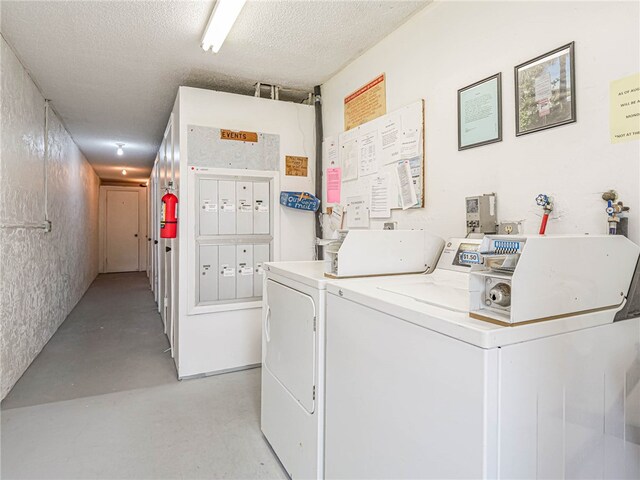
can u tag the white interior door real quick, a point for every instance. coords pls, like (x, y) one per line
(122, 240)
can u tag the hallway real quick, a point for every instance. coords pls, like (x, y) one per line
(102, 401)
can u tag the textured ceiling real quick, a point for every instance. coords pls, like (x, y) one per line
(112, 69)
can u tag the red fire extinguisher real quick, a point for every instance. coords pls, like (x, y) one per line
(169, 218)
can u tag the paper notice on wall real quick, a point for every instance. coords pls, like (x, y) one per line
(408, 196)
(624, 109)
(390, 134)
(330, 146)
(379, 202)
(366, 103)
(335, 221)
(411, 141)
(368, 153)
(357, 212)
(334, 184)
(349, 156)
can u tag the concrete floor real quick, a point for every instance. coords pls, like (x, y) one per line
(102, 401)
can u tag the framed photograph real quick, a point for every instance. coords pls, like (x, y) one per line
(480, 113)
(546, 91)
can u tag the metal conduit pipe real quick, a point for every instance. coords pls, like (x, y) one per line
(318, 192)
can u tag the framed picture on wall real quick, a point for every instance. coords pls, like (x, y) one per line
(546, 91)
(480, 113)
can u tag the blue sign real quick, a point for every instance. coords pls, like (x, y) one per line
(299, 201)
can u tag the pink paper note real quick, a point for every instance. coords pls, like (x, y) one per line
(334, 181)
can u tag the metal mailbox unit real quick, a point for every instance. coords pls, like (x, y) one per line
(234, 236)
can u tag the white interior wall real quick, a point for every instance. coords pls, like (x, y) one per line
(294, 123)
(450, 45)
(42, 275)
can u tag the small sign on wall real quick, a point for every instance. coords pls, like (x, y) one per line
(366, 103)
(296, 166)
(238, 136)
(624, 116)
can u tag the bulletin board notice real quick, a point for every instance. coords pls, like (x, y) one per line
(366, 103)
(624, 117)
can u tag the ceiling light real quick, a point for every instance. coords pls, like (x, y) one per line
(124, 172)
(120, 151)
(222, 19)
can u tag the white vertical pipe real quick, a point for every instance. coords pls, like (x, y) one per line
(45, 160)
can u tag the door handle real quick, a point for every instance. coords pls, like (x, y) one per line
(167, 249)
(155, 242)
(267, 325)
(135, 235)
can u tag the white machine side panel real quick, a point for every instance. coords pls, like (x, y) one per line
(227, 207)
(366, 252)
(290, 341)
(208, 283)
(262, 208)
(588, 273)
(244, 199)
(401, 401)
(244, 269)
(570, 405)
(208, 206)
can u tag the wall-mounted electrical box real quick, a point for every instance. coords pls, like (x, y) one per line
(482, 216)
(234, 236)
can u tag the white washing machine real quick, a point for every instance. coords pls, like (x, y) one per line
(293, 360)
(415, 388)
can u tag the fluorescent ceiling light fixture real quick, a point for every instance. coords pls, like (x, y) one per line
(124, 172)
(120, 151)
(222, 19)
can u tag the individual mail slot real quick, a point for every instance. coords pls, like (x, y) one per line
(227, 272)
(208, 280)
(208, 207)
(261, 208)
(227, 207)
(244, 199)
(260, 257)
(244, 260)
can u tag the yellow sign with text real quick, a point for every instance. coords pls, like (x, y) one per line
(296, 166)
(366, 103)
(624, 109)
(238, 136)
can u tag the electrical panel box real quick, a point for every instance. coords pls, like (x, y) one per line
(233, 237)
(481, 214)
